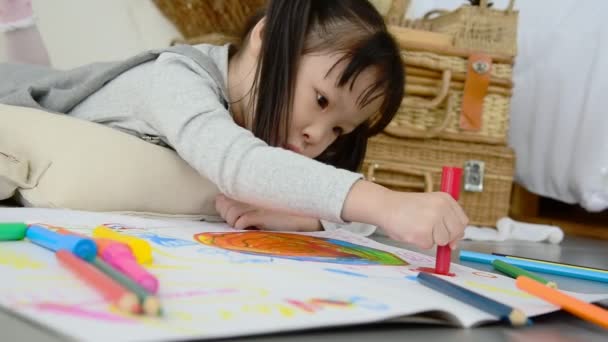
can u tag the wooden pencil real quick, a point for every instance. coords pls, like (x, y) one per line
(149, 303)
(586, 311)
(514, 316)
(111, 290)
(514, 272)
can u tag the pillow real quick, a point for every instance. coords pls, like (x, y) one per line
(57, 161)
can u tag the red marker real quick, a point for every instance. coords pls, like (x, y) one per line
(450, 183)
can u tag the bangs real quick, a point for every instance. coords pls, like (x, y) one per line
(377, 51)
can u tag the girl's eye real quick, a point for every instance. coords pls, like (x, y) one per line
(322, 101)
(338, 131)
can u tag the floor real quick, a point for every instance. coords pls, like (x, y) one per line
(573, 219)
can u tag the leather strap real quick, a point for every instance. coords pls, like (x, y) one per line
(475, 90)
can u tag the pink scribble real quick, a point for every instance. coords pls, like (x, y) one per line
(301, 305)
(82, 313)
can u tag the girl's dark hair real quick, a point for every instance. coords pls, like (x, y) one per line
(351, 27)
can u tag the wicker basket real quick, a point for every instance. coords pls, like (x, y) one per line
(195, 18)
(432, 107)
(415, 165)
(475, 27)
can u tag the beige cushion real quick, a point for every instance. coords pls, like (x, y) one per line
(57, 161)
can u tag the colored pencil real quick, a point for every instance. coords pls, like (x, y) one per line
(586, 311)
(514, 272)
(111, 290)
(537, 266)
(149, 303)
(552, 262)
(514, 316)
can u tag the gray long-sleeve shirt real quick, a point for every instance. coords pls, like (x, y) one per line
(174, 98)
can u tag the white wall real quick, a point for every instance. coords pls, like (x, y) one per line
(77, 32)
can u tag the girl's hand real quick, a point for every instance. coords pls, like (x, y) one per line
(422, 219)
(242, 215)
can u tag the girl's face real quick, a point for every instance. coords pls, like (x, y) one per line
(322, 111)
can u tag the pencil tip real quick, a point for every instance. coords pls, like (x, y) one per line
(518, 318)
(152, 306)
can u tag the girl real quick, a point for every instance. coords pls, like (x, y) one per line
(313, 79)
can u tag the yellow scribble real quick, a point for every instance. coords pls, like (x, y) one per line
(262, 309)
(492, 288)
(286, 311)
(168, 267)
(183, 316)
(226, 315)
(18, 261)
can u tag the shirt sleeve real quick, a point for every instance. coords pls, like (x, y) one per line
(359, 228)
(183, 104)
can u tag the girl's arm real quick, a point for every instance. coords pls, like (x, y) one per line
(182, 103)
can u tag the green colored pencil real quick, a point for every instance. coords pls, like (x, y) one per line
(149, 303)
(514, 272)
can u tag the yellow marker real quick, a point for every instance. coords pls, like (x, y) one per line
(140, 247)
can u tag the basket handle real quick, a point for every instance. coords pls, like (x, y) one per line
(446, 78)
(409, 131)
(427, 179)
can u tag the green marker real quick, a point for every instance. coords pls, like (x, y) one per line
(514, 272)
(12, 231)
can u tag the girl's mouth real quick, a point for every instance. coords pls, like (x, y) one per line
(293, 148)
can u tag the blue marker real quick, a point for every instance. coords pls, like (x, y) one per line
(82, 247)
(537, 266)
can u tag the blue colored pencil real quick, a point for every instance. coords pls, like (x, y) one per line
(553, 262)
(514, 316)
(537, 266)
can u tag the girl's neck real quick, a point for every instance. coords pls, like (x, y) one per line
(241, 72)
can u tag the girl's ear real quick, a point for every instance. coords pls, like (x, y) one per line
(255, 39)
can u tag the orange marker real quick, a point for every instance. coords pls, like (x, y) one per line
(450, 183)
(111, 290)
(586, 311)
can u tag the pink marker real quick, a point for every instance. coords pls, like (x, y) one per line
(121, 257)
(450, 183)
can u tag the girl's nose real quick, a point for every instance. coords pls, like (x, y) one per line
(314, 134)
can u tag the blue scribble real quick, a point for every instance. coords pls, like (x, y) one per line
(166, 241)
(368, 303)
(237, 258)
(349, 273)
(412, 278)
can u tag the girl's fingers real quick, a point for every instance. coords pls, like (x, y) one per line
(236, 210)
(248, 219)
(441, 233)
(460, 214)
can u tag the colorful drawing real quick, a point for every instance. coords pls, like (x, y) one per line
(299, 247)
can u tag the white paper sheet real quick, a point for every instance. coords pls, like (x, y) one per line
(212, 290)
